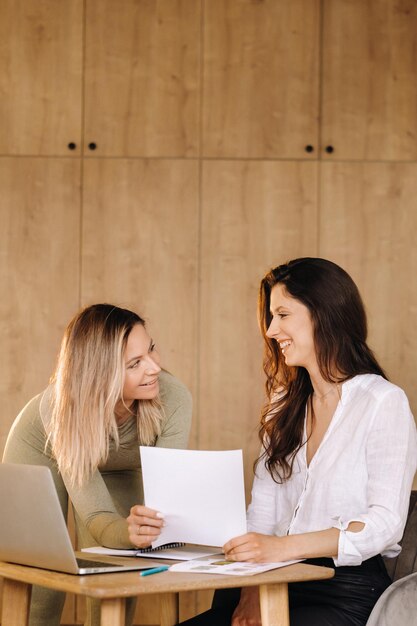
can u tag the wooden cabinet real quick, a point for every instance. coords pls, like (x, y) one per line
(132, 67)
(190, 178)
(39, 278)
(254, 215)
(142, 63)
(40, 76)
(272, 79)
(140, 248)
(261, 78)
(369, 88)
(39, 272)
(368, 221)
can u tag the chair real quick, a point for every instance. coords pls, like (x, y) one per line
(398, 604)
(406, 562)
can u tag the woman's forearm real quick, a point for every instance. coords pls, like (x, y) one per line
(261, 548)
(322, 543)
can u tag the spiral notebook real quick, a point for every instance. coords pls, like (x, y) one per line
(176, 551)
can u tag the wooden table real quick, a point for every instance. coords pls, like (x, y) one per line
(113, 589)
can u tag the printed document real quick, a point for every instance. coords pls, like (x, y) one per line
(221, 566)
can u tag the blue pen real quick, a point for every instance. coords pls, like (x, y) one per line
(154, 570)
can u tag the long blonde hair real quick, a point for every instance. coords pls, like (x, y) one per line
(86, 386)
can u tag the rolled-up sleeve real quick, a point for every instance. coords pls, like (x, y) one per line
(391, 457)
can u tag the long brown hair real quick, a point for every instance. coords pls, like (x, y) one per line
(340, 330)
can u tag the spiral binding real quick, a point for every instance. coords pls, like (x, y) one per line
(165, 546)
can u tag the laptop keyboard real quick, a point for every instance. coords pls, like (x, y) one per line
(86, 563)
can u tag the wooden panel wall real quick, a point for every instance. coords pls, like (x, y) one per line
(41, 76)
(140, 249)
(245, 207)
(369, 96)
(142, 77)
(189, 178)
(260, 78)
(39, 272)
(39, 277)
(368, 222)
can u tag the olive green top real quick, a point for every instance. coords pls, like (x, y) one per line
(103, 502)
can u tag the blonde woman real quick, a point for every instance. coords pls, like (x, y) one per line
(108, 395)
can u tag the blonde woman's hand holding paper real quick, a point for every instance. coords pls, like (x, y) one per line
(144, 525)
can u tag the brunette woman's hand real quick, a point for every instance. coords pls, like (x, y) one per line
(144, 525)
(248, 612)
(257, 548)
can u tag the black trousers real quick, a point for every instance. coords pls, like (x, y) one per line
(345, 600)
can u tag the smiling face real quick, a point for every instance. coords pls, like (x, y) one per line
(141, 367)
(292, 328)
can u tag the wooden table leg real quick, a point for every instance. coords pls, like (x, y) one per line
(113, 612)
(168, 609)
(274, 605)
(16, 603)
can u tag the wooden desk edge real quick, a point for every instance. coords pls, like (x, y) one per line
(129, 584)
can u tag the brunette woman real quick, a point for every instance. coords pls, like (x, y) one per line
(338, 455)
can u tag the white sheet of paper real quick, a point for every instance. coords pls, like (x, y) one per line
(200, 493)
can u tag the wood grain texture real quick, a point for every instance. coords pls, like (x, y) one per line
(112, 612)
(169, 609)
(142, 77)
(194, 602)
(368, 222)
(39, 273)
(148, 610)
(273, 600)
(260, 78)
(140, 248)
(254, 216)
(128, 584)
(258, 91)
(40, 76)
(16, 602)
(369, 79)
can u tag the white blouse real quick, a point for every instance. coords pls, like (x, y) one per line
(362, 471)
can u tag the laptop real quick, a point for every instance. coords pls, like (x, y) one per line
(33, 530)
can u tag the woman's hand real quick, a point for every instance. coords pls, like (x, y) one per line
(144, 525)
(247, 612)
(257, 548)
